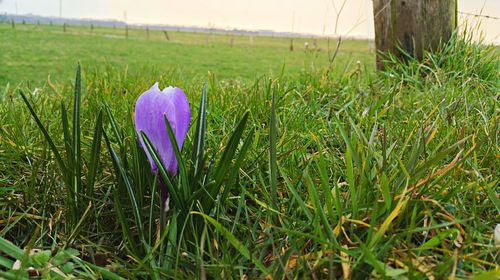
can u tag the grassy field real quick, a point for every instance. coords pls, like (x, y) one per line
(47, 50)
(318, 173)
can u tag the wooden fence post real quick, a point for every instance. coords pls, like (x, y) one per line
(413, 25)
(166, 35)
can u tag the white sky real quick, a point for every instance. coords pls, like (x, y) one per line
(306, 16)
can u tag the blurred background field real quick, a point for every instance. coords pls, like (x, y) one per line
(30, 53)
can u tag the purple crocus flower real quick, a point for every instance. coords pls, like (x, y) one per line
(150, 109)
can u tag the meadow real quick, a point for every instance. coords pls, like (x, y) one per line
(228, 56)
(293, 167)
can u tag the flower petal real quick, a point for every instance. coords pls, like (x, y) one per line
(150, 108)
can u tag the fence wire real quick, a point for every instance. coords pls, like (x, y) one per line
(478, 15)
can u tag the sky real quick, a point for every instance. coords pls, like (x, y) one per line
(303, 16)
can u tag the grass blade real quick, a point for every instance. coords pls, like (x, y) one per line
(77, 182)
(351, 181)
(152, 203)
(199, 137)
(233, 177)
(125, 225)
(104, 272)
(223, 167)
(10, 249)
(172, 190)
(7, 263)
(387, 222)
(492, 274)
(327, 192)
(114, 126)
(235, 242)
(297, 196)
(171, 245)
(94, 155)
(273, 166)
(313, 194)
(53, 147)
(180, 161)
(229, 151)
(67, 137)
(129, 187)
(492, 194)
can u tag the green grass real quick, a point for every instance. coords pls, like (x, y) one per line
(355, 174)
(31, 53)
